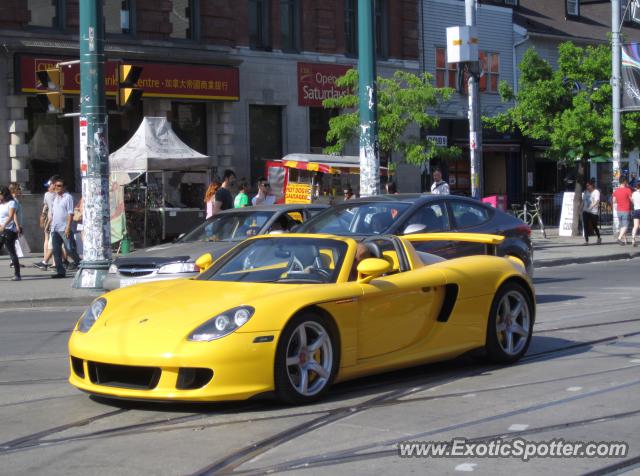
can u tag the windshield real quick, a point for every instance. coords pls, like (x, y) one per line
(357, 219)
(229, 227)
(281, 260)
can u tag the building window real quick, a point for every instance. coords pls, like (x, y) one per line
(319, 118)
(490, 76)
(45, 13)
(573, 7)
(259, 32)
(382, 29)
(189, 122)
(290, 25)
(446, 73)
(183, 19)
(117, 16)
(351, 27)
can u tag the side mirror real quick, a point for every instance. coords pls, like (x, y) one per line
(414, 228)
(372, 268)
(204, 261)
(179, 237)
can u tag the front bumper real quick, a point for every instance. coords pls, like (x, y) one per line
(241, 368)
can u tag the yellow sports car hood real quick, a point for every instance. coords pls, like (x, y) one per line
(178, 307)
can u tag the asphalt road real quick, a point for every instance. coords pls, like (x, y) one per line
(580, 382)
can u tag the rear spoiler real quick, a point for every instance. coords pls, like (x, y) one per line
(490, 240)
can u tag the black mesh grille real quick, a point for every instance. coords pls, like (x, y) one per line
(135, 271)
(76, 365)
(192, 378)
(124, 376)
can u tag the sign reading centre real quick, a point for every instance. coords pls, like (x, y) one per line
(157, 79)
(317, 82)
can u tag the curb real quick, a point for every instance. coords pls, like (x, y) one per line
(581, 260)
(50, 302)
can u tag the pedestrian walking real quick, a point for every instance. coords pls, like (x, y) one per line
(590, 211)
(242, 199)
(45, 222)
(22, 247)
(264, 195)
(439, 186)
(633, 181)
(348, 193)
(223, 200)
(61, 230)
(622, 203)
(635, 198)
(9, 229)
(209, 196)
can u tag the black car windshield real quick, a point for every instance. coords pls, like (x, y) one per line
(229, 227)
(281, 260)
(357, 219)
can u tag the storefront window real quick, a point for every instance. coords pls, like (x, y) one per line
(117, 16)
(189, 122)
(290, 25)
(318, 127)
(259, 31)
(459, 175)
(183, 19)
(265, 129)
(51, 145)
(45, 13)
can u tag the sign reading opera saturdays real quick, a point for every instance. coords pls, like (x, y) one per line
(317, 82)
(168, 80)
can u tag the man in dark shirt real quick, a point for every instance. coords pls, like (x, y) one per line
(223, 199)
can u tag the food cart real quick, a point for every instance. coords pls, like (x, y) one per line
(164, 181)
(304, 178)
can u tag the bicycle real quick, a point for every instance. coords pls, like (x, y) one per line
(530, 213)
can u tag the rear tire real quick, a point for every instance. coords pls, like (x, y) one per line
(510, 324)
(307, 359)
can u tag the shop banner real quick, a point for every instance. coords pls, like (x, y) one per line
(317, 82)
(298, 193)
(631, 76)
(157, 79)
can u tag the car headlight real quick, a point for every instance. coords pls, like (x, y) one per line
(222, 324)
(92, 314)
(174, 268)
(113, 269)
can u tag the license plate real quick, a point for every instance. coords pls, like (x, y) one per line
(127, 282)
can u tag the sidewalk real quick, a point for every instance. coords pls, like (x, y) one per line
(37, 289)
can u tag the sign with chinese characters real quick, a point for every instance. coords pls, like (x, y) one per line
(298, 193)
(165, 80)
(317, 82)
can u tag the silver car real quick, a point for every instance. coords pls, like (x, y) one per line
(216, 235)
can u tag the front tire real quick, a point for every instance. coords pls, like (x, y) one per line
(510, 324)
(306, 359)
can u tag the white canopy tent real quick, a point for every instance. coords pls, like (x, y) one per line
(154, 147)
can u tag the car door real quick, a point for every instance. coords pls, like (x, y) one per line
(469, 217)
(396, 311)
(434, 216)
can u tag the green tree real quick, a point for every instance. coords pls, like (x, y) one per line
(403, 100)
(569, 108)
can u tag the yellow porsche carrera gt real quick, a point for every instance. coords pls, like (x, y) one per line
(290, 314)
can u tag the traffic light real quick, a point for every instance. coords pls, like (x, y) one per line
(53, 80)
(128, 94)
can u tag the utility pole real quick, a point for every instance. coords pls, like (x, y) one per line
(369, 151)
(616, 91)
(94, 149)
(475, 127)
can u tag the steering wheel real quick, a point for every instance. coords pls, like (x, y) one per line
(326, 275)
(295, 265)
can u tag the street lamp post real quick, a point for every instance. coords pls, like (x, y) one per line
(94, 151)
(616, 92)
(475, 126)
(369, 150)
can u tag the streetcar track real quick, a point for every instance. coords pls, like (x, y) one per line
(355, 454)
(341, 454)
